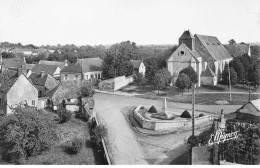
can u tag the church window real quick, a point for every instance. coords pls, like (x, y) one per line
(182, 52)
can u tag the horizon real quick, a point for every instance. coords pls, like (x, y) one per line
(145, 22)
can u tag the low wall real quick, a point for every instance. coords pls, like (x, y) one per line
(178, 123)
(115, 84)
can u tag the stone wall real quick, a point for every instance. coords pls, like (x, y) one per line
(115, 84)
(177, 124)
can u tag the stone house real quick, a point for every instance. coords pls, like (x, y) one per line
(44, 82)
(71, 72)
(16, 90)
(201, 53)
(91, 68)
(139, 66)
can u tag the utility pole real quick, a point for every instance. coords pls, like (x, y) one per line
(249, 94)
(193, 108)
(230, 99)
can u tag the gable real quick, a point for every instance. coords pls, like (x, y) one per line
(182, 54)
(22, 86)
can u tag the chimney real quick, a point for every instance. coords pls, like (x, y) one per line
(42, 74)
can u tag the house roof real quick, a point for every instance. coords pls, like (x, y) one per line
(7, 79)
(59, 64)
(72, 68)
(136, 63)
(38, 79)
(236, 50)
(186, 34)
(256, 103)
(213, 46)
(91, 64)
(49, 69)
(208, 72)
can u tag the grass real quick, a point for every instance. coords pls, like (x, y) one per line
(207, 99)
(175, 95)
(57, 155)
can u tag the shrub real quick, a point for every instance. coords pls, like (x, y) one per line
(185, 114)
(152, 109)
(201, 115)
(74, 146)
(63, 114)
(99, 131)
(25, 133)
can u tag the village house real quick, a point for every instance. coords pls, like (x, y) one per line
(71, 72)
(139, 66)
(201, 53)
(91, 68)
(44, 82)
(15, 90)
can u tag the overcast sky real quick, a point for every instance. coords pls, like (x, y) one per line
(97, 22)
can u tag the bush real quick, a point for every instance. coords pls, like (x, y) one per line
(74, 146)
(25, 133)
(99, 131)
(185, 114)
(152, 109)
(64, 114)
(201, 115)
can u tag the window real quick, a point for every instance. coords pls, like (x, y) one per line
(91, 76)
(99, 76)
(86, 77)
(66, 77)
(182, 52)
(33, 102)
(96, 76)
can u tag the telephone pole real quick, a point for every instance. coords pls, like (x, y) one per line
(193, 108)
(230, 99)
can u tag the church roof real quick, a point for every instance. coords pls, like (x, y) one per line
(213, 47)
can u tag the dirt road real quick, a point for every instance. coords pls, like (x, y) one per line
(123, 143)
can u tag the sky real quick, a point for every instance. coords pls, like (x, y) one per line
(94, 22)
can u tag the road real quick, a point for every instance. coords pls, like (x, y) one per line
(122, 141)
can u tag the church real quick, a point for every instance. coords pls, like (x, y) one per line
(205, 54)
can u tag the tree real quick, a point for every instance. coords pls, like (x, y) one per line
(8, 55)
(183, 82)
(86, 91)
(140, 80)
(233, 75)
(231, 42)
(189, 71)
(239, 68)
(151, 68)
(117, 60)
(161, 79)
(254, 74)
(25, 133)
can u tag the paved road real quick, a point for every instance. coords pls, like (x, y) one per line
(122, 141)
